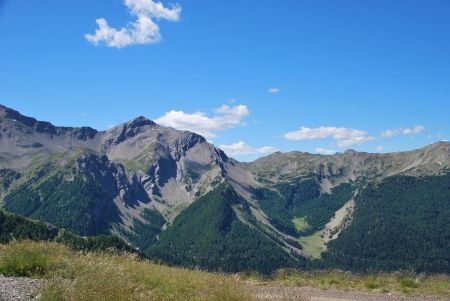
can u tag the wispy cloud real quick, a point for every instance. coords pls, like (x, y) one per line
(325, 151)
(242, 148)
(224, 117)
(344, 136)
(273, 90)
(143, 31)
(417, 129)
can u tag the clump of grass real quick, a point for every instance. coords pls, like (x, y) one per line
(371, 284)
(51, 294)
(408, 282)
(81, 276)
(20, 260)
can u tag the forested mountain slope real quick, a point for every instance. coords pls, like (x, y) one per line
(213, 233)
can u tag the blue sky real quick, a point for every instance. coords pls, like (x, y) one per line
(368, 75)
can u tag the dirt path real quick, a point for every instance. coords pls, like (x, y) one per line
(275, 293)
(18, 289)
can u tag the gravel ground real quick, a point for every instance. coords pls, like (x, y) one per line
(18, 289)
(274, 293)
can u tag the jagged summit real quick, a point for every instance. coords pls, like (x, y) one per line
(139, 122)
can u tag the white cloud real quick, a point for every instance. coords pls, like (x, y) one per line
(239, 148)
(267, 150)
(403, 131)
(325, 151)
(242, 148)
(273, 90)
(344, 136)
(143, 31)
(380, 148)
(224, 117)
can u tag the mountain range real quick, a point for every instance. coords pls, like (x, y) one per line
(181, 200)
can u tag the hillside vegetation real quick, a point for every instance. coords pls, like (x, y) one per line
(14, 227)
(210, 235)
(401, 223)
(60, 196)
(300, 200)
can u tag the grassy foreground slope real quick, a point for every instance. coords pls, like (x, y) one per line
(79, 276)
(72, 275)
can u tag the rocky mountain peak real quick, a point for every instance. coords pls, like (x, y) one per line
(129, 129)
(139, 122)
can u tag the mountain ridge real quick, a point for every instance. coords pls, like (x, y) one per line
(139, 179)
(140, 121)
